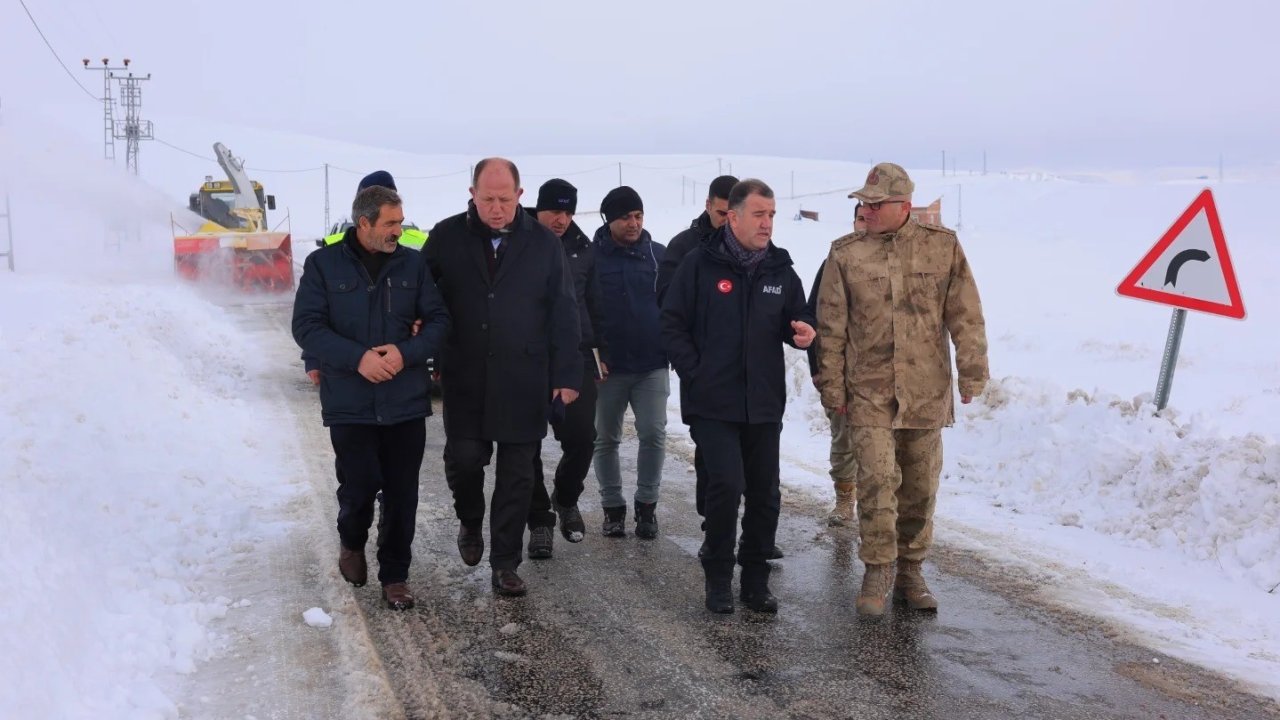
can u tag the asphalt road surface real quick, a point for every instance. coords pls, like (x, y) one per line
(616, 628)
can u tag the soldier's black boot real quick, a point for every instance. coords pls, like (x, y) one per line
(755, 589)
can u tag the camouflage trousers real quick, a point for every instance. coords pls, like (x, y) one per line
(844, 467)
(897, 489)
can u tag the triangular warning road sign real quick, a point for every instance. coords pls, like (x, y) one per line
(1189, 266)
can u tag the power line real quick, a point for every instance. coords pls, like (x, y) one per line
(55, 53)
(247, 167)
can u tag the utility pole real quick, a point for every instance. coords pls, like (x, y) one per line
(108, 122)
(793, 184)
(984, 162)
(133, 129)
(944, 163)
(326, 199)
(619, 174)
(8, 226)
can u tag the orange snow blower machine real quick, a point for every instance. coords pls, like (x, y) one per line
(233, 247)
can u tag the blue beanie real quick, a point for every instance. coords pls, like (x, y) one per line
(379, 178)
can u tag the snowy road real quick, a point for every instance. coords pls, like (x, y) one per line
(616, 628)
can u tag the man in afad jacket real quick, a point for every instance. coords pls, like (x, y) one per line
(627, 261)
(511, 360)
(731, 306)
(890, 300)
(354, 313)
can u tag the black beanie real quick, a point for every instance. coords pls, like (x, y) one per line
(619, 202)
(557, 194)
(379, 178)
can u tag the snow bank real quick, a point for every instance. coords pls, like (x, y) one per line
(134, 456)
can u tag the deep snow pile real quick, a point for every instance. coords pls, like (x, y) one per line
(135, 458)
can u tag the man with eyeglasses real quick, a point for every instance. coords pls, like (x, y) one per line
(890, 298)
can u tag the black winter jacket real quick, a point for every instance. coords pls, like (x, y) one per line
(681, 245)
(724, 333)
(513, 338)
(581, 256)
(339, 313)
(812, 352)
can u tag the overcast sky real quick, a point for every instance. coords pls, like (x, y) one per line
(1055, 84)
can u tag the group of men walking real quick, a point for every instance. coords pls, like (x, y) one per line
(531, 324)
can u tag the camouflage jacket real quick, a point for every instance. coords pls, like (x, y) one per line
(886, 306)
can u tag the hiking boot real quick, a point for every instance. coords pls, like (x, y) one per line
(615, 521)
(842, 515)
(397, 596)
(352, 565)
(646, 520)
(471, 543)
(774, 554)
(877, 581)
(571, 525)
(755, 590)
(508, 584)
(720, 593)
(909, 587)
(540, 543)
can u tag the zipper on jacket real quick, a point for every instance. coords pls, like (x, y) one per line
(388, 295)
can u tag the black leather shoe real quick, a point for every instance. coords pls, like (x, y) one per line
(719, 595)
(760, 600)
(508, 583)
(471, 544)
(352, 565)
(776, 553)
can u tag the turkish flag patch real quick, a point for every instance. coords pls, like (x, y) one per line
(725, 286)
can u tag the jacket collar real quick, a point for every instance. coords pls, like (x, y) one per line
(713, 246)
(604, 239)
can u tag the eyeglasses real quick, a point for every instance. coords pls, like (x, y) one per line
(878, 205)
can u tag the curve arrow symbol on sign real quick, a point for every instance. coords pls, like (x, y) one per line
(1182, 258)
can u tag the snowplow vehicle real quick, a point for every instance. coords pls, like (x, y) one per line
(234, 246)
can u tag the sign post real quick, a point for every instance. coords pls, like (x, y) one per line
(1188, 268)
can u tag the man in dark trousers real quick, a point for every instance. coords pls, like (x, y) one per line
(732, 304)
(354, 313)
(557, 203)
(713, 217)
(510, 362)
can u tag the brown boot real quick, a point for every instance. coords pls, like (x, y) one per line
(846, 506)
(397, 596)
(911, 588)
(508, 583)
(877, 581)
(351, 564)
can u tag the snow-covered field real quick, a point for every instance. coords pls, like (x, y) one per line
(139, 458)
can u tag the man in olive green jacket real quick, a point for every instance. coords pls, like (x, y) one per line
(890, 298)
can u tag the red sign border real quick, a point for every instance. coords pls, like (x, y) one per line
(1129, 286)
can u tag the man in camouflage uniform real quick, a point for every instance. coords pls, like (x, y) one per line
(889, 299)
